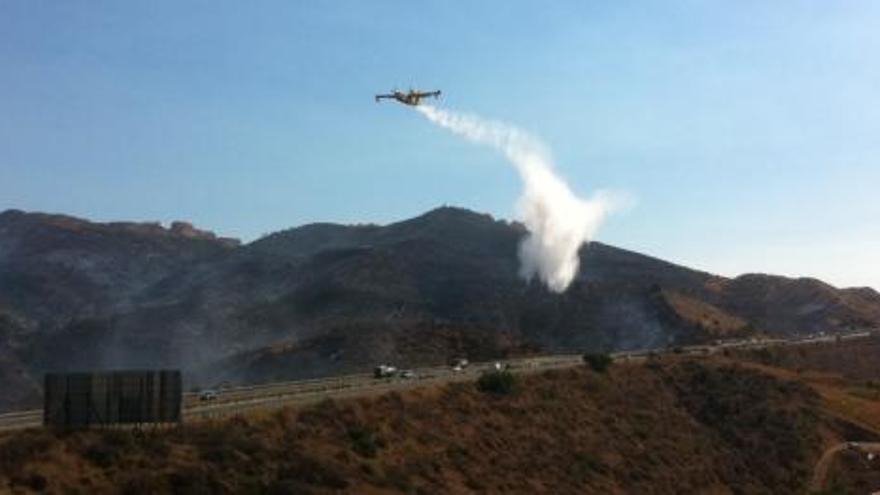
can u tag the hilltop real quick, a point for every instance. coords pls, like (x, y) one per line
(325, 298)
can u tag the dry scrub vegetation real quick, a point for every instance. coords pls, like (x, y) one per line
(665, 427)
(852, 472)
(855, 360)
(846, 374)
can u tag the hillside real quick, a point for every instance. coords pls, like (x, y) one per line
(853, 472)
(666, 427)
(846, 377)
(855, 360)
(322, 299)
(786, 306)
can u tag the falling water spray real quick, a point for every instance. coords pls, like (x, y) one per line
(557, 220)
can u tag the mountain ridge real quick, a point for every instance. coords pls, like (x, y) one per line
(326, 298)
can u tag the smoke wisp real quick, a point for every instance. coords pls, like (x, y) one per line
(557, 220)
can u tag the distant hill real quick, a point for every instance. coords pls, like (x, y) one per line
(326, 298)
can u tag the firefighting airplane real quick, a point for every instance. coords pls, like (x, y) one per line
(412, 98)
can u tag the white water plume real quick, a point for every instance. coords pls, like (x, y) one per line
(557, 220)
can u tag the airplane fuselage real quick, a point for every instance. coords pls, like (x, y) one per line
(413, 98)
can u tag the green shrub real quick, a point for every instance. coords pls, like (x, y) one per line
(497, 382)
(364, 441)
(598, 362)
(101, 454)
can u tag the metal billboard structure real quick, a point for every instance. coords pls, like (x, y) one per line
(112, 397)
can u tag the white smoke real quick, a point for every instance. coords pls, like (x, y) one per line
(558, 221)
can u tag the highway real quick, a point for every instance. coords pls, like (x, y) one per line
(233, 401)
(237, 400)
(242, 399)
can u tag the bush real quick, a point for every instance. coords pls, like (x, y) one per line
(598, 362)
(101, 454)
(364, 441)
(496, 382)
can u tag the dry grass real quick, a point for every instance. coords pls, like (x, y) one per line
(676, 427)
(715, 322)
(846, 375)
(856, 360)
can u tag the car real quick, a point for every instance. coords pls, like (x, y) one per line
(460, 363)
(208, 395)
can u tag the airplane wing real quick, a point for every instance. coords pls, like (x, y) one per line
(379, 97)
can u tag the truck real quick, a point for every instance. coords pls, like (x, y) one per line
(384, 371)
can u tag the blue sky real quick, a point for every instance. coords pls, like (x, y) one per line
(747, 131)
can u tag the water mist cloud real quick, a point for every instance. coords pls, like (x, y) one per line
(557, 220)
